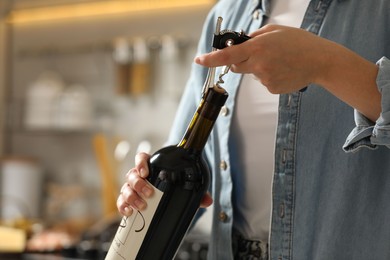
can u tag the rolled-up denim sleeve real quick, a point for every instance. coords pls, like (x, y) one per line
(373, 134)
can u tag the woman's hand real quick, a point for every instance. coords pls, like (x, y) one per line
(286, 59)
(136, 190)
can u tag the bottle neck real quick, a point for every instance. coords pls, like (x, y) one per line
(202, 122)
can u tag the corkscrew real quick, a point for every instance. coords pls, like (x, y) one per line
(221, 40)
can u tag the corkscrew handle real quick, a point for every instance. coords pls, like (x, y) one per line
(221, 40)
(228, 38)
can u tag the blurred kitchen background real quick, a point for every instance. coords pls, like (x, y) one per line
(84, 85)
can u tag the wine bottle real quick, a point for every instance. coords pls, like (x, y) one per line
(180, 177)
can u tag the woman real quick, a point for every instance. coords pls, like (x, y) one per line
(329, 168)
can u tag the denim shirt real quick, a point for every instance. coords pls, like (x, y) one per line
(331, 186)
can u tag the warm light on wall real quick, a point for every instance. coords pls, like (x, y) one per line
(98, 8)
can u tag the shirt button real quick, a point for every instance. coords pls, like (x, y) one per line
(222, 216)
(224, 111)
(223, 165)
(289, 100)
(281, 210)
(284, 156)
(256, 15)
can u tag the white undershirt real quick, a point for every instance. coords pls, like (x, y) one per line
(254, 124)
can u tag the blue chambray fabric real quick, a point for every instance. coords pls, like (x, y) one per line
(330, 193)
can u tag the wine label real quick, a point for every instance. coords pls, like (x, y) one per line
(132, 230)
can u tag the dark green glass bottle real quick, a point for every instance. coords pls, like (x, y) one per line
(182, 175)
